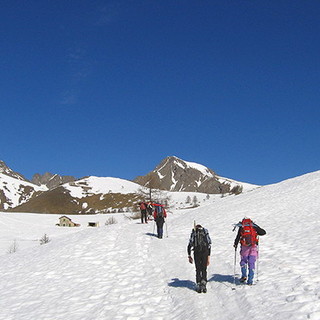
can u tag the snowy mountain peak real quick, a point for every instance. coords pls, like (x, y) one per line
(175, 174)
(192, 165)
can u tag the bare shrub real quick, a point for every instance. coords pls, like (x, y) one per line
(111, 220)
(45, 239)
(14, 247)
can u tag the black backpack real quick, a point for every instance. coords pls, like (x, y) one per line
(200, 240)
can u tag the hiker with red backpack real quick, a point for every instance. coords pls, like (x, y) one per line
(159, 217)
(248, 236)
(143, 209)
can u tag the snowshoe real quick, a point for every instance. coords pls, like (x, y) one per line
(243, 279)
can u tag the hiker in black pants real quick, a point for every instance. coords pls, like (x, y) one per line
(201, 243)
(143, 209)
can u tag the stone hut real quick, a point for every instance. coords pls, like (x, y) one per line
(65, 221)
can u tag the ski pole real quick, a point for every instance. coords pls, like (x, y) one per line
(166, 227)
(154, 223)
(234, 268)
(258, 263)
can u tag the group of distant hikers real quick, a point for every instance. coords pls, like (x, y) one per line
(200, 242)
(159, 215)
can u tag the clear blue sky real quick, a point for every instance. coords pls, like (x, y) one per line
(110, 88)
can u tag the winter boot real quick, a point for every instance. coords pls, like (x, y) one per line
(243, 279)
(250, 278)
(243, 274)
(198, 287)
(203, 286)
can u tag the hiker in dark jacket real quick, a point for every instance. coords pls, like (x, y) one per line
(249, 251)
(200, 242)
(159, 216)
(149, 210)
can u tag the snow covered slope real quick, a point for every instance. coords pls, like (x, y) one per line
(121, 271)
(101, 185)
(103, 194)
(88, 195)
(14, 191)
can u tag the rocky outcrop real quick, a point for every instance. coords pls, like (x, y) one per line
(50, 180)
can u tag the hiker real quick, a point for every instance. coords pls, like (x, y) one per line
(248, 235)
(143, 209)
(201, 243)
(159, 217)
(149, 210)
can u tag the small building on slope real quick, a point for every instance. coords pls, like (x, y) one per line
(65, 221)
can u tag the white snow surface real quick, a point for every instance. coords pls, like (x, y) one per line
(96, 185)
(233, 183)
(204, 170)
(121, 271)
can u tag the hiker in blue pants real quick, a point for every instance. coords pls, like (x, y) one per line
(159, 217)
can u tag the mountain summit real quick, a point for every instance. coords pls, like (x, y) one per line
(174, 174)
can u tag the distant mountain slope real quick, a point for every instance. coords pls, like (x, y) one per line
(51, 180)
(49, 193)
(88, 195)
(174, 174)
(14, 191)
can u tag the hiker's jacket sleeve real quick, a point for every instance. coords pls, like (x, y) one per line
(260, 231)
(209, 242)
(237, 239)
(191, 243)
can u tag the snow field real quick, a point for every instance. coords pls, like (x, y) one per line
(123, 271)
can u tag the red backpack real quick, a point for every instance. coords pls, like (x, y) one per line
(249, 236)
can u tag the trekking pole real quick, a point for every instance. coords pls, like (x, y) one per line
(154, 223)
(166, 227)
(234, 268)
(258, 263)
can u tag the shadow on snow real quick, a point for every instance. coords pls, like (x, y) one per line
(222, 278)
(151, 234)
(177, 283)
